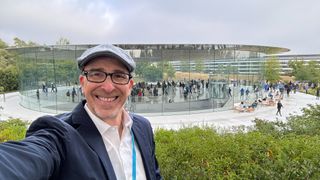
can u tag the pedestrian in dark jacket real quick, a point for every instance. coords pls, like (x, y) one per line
(279, 106)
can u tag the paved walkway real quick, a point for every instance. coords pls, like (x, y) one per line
(224, 119)
(12, 108)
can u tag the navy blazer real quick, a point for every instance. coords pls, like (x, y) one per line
(69, 146)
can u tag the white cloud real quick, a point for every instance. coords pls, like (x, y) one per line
(291, 24)
(46, 21)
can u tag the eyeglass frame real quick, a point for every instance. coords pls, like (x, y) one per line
(85, 73)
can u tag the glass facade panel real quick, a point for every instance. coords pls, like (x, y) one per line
(169, 78)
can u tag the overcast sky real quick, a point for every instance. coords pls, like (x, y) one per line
(292, 24)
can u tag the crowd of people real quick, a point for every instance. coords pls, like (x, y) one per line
(170, 91)
(272, 94)
(145, 92)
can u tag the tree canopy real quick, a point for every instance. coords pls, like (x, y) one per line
(21, 43)
(63, 41)
(199, 66)
(3, 44)
(303, 71)
(272, 70)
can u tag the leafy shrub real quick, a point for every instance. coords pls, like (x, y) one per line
(9, 78)
(13, 129)
(271, 150)
(308, 123)
(196, 153)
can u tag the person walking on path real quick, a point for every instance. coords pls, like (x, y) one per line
(318, 93)
(279, 106)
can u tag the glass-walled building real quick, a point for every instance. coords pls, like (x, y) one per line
(285, 59)
(169, 78)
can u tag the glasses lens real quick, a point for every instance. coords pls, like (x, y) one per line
(120, 78)
(99, 77)
(96, 76)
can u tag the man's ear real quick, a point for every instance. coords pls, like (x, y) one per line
(131, 82)
(81, 80)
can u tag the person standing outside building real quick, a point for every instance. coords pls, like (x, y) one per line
(73, 93)
(241, 94)
(99, 139)
(247, 94)
(230, 92)
(279, 106)
(38, 95)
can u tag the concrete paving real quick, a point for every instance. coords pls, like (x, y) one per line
(12, 108)
(229, 119)
(221, 120)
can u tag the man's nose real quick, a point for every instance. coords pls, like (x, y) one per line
(108, 85)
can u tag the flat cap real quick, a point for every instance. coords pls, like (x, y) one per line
(107, 50)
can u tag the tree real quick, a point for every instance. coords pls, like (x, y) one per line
(152, 73)
(21, 43)
(66, 71)
(9, 78)
(18, 42)
(296, 66)
(199, 66)
(140, 68)
(314, 69)
(185, 66)
(168, 69)
(300, 70)
(148, 71)
(31, 43)
(272, 70)
(6, 58)
(63, 41)
(3, 44)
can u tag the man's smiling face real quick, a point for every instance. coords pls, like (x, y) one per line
(106, 99)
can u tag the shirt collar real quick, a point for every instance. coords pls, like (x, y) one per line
(102, 126)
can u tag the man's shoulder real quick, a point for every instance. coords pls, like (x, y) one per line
(136, 118)
(142, 125)
(65, 117)
(58, 122)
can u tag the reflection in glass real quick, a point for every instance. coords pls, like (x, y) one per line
(169, 78)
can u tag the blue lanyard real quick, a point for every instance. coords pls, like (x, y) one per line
(134, 168)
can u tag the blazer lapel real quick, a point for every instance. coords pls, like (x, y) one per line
(90, 133)
(144, 147)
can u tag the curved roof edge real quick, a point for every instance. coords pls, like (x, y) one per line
(241, 47)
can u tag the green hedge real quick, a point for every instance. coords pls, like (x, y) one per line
(13, 129)
(269, 150)
(203, 154)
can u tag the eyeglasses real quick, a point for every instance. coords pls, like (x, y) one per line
(100, 76)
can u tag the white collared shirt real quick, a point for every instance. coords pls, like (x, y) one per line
(119, 150)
